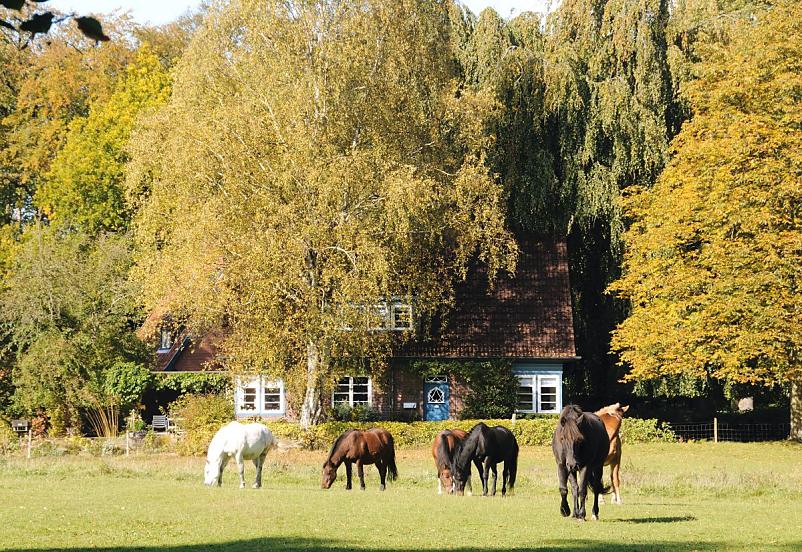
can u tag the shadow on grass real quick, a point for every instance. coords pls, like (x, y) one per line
(278, 544)
(658, 519)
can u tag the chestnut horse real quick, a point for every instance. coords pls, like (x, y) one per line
(443, 451)
(372, 446)
(612, 416)
(580, 445)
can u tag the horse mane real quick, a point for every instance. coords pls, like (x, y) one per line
(337, 443)
(569, 424)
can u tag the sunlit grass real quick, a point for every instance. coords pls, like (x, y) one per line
(677, 497)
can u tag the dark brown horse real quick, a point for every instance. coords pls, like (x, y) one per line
(355, 446)
(443, 451)
(486, 447)
(612, 416)
(580, 446)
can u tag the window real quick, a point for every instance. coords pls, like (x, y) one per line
(402, 317)
(539, 393)
(260, 396)
(165, 339)
(249, 399)
(352, 391)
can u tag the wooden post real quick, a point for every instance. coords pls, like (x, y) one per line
(715, 430)
(29, 443)
(513, 418)
(127, 448)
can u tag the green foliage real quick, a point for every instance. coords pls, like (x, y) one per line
(491, 385)
(126, 382)
(713, 255)
(196, 383)
(329, 164)
(199, 417)
(531, 432)
(68, 310)
(84, 185)
(346, 413)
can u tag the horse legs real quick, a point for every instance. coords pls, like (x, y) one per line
(596, 487)
(494, 469)
(584, 473)
(562, 477)
(223, 463)
(347, 475)
(616, 480)
(574, 491)
(259, 463)
(482, 477)
(505, 474)
(360, 470)
(382, 474)
(241, 469)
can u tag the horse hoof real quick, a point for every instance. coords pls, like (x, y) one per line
(594, 517)
(580, 519)
(381, 488)
(257, 486)
(565, 511)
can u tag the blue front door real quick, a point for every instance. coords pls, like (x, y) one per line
(435, 398)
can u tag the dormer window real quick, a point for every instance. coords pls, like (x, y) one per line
(165, 340)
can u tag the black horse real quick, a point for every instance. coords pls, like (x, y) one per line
(488, 446)
(580, 445)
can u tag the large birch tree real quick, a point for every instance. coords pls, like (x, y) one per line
(316, 158)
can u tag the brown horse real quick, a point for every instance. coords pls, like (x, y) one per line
(612, 416)
(442, 452)
(373, 446)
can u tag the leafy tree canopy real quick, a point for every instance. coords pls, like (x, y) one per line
(713, 255)
(314, 160)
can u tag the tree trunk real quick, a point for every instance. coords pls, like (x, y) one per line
(311, 409)
(796, 410)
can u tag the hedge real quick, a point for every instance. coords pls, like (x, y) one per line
(529, 432)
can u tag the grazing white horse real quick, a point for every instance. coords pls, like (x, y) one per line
(242, 442)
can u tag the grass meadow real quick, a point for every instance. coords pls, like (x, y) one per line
(677, 497)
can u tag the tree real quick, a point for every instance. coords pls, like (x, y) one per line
(68, 311)
(84, 186)
(713, 255)
(315, 160)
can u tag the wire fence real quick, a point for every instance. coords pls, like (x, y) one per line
(724, 431)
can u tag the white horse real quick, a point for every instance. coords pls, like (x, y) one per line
(242, 442)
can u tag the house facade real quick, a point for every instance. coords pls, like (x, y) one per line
(524, 319)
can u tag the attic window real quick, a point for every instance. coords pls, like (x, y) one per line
(165, 339)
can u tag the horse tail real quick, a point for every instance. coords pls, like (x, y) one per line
(392, 470)
(513, 471)
(596, 483)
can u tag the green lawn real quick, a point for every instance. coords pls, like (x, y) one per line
(677, 497)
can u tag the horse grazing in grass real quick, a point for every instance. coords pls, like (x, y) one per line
(580, 446)
(612, 416)
(486, 446)
(443, 451)
(374, 446)
(241, 442)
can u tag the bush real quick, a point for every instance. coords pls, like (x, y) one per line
(359, 413)
(200, 416)
(531, 432)
(9, 441)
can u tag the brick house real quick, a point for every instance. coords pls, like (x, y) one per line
(526, 319)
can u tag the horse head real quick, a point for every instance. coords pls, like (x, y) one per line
(329, 475)
(570, 434)
(211, 473)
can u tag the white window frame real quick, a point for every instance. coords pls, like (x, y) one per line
(165, 332)
(399, 306)
(260, 383)
(350, 401)
(537, 381)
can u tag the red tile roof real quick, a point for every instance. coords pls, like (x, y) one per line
(525, 316)
(190, 355)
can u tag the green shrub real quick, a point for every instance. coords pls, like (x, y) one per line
(530, 432)
(9, 441)
(200, 416)
(636, 430)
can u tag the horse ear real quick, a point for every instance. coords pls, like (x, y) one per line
(580, 418)
(625, 408)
